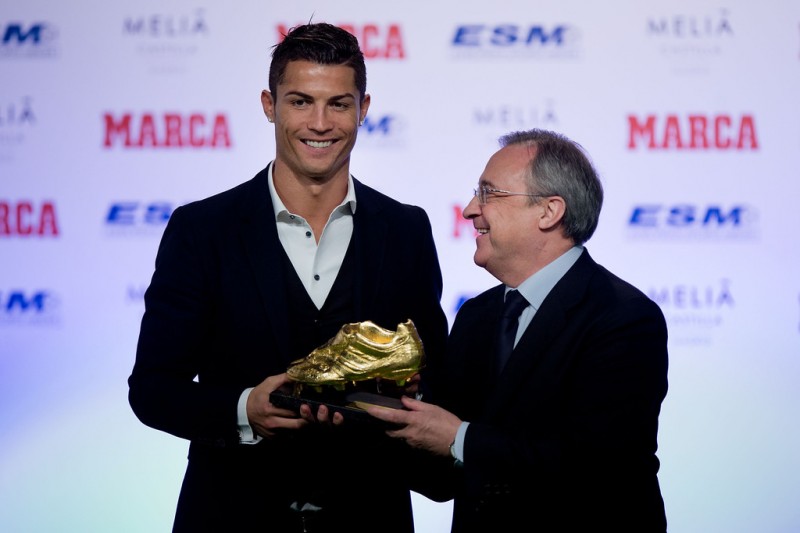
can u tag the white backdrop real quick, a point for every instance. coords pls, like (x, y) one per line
(688, 109)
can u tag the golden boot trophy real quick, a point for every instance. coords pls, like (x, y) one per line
(362, 364)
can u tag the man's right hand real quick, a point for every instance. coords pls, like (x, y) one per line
(266, 419)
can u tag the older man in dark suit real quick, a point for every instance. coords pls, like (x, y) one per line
(549, 397)
(255, 277)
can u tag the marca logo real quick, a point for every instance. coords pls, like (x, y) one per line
(28, 219)
(692, 132)
(169, 130)
(376, 41)
(34, 307)
(560, 40)
(160, 25)
(461, 225)
(28, 40)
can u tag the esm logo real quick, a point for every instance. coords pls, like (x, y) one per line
(33, 307)
(32, 35)
(24, 302)
(690, 220)
(514, 40)
(32, 40)
(686, 215)
(133, 213)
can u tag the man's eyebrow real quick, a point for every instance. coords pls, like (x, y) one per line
(342, 96)
(300, 94)
(309, 97)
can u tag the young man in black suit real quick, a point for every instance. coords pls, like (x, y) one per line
(255, 277)
(561, 434)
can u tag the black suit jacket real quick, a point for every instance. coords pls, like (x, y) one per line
(216, 310)
(565, 440)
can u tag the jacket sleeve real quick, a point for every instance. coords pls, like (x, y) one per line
(173, 340)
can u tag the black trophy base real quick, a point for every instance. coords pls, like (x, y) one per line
(350, 402)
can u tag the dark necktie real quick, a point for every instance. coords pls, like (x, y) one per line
(513, 306)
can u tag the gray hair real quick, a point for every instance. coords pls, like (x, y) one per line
(560, 167)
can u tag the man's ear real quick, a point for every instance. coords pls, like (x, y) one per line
(554, 209)
(364, 107)
(268, 105)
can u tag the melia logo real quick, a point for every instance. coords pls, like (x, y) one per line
(167, 130)
(16, 118)
(694, 310)
(166, 25)
(164, 40)
(690, 26)
(493, 120)
(557, 41)
(507, 117)
(690, 41)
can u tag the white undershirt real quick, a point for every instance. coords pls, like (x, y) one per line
(317, 265)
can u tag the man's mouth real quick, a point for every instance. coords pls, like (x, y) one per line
(482, 231)
(318, 144)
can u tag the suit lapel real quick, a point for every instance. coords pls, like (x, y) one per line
(533, 353)
(263, 250)
(369, 248)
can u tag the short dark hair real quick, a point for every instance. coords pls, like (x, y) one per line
(560, 167)
(321, 43)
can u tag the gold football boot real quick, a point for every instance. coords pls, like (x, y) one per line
(362, 351)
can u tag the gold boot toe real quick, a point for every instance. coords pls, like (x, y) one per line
(362, 351)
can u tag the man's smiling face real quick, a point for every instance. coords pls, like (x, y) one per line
(316, 112)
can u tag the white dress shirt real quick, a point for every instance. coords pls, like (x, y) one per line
(316, 264)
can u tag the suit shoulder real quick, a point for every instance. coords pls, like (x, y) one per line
(487, 298)
(619, 295)
(374, 199)
(228, 201)
(619, 287)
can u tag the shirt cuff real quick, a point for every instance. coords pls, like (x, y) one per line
(458, 445)
(246, 433)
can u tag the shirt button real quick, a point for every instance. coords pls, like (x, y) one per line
(316, 277)
(308, 234)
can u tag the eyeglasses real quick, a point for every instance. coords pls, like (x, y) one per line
(483, 193)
